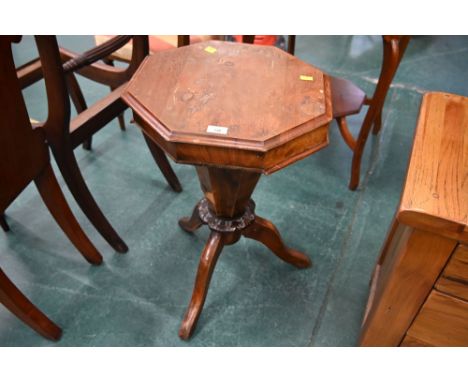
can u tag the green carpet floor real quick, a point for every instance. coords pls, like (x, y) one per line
(139, 299)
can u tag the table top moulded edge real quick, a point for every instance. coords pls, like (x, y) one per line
(440, 149)
(299, 142)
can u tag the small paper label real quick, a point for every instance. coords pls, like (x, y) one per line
(210, 49)
(306, 78)
(217, 129)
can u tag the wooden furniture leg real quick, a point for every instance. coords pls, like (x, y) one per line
(4, 223)
(248, 39)
(291, 44)
(78, 101)
(120, 117)
(392, 53)
(402, 42)
(54, 199)
(208, 259)
(413, 260)
(68, 166)
(17, 303)
(377, 123)
(57, 133)
(265, 232)
(161, 160)
(183, 40)
(229, 212)
(191, 223)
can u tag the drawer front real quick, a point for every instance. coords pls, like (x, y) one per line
(442, 321)
(454, 279)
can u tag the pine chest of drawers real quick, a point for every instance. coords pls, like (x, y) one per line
(419, 290)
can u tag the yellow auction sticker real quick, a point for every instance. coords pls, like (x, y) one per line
(306, 78)
(210, 49)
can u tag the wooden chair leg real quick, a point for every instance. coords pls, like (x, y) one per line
(161, 160)
(357, 154)
(377, 124)
(191, 223)
(17, 303)
(54, 199)
(4, 223)
(392, 55)
(291, 44)
(71, 173)
(345, 133)
(207, 264)
(120, 117)
(183, 40)
(78, 101)
(248, 39)
(266, 233)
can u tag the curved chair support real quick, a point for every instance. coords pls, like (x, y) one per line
(394, 47)
(24, 158)
(18, 304)
(59, 140)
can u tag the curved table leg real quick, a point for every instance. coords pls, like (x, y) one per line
(17, 303)
(207, 264)
(377, 123)
(53, 198)
(161, 160)
(191, 223)
(265, 232)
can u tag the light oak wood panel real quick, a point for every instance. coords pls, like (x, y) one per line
(409, 267)
(409, 341)
(435, 197)
(429, 225)
(454, 279)
(443, 321)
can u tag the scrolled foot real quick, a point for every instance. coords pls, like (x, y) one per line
(191, 223)
(206, 267)
(266, 233)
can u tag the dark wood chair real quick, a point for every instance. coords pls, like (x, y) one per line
(58, 68)
(24, 157)
(347, 96)
(348, 99)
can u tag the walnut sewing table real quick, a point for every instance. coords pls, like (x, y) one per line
(234, 111)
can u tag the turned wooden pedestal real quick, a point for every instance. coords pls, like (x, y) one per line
(235, 111)
(229, 213)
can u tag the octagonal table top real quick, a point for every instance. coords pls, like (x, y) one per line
(231, 104)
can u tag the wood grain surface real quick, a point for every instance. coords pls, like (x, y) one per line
(443, 321)
(423, 250)
(256, 92)
(409, 267)
(454, 279)
(253, 98)
(436, 192)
